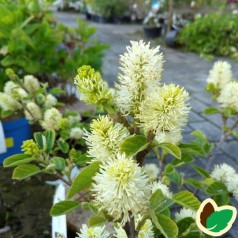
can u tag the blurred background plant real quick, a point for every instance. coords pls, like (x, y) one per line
(31, 42)
(212, 35)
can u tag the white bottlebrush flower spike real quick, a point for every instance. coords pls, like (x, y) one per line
(164, 189)
(76, 133)
(7, 103)
(92, 88)
(228, 97)
(31, 83)
(152, 171)
(141, 66)
(121, 188)
(93, 232)
(222, 172)
(51, 118)
(166, 109)
(183, 213)
(146, 230)
(172, 137)
(105, 138)
(220, 74)
(9, 86)
(33, 111)
(232, 185)
(50, 101)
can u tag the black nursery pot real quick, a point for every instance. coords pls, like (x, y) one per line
(170, 38)
(152, 32)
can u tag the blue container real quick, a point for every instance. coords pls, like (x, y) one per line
(16, 132)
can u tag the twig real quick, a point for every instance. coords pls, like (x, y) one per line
(220, 143)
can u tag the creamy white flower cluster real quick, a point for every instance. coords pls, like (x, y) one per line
(121, 188)
(157, 108)
(105, 138)
(221, 78)
(162, 109)
(226, 174)
(146, 231)
(184, 213)
(11, 93)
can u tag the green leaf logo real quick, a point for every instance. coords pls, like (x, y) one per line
(214, 220)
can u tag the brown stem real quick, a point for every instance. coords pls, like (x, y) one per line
(218, 146)
(130, 228)
(141, 155)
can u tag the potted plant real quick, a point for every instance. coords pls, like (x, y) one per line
(107, 10)
(153, 22)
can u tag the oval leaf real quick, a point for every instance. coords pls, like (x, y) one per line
(187, 199)
(84, 178)
(63, 207)
(40, 140)
(134, 144)
(96, 221)
(216, 188)
(219, 220)
(166, 225)
(18, 159)
(58, 162)
(171, 149)
(24, 171)
(50, 139)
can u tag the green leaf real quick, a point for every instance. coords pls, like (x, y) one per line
(222, 199)
(6, 113)
(156, 199)
(195, 183)
(165, 225)
(84, 178)
(216, 188)
(17, 159)
(191, 149)
(211, 111)
(219, 220)
(50, 139)
(172, 174)
(199, 135)
(57, 91)
(40, 140)
(89, 206)
(63, 145)
(63, 207)
(96, 221)
(187, 199)
(184, 225)
(201, 172)
(82, 159)
(185, 159)
(134, 144)
(171, 149)
(58, 162)
(25, 171)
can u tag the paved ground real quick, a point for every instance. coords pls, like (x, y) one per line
(185, 69)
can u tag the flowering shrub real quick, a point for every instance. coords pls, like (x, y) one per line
(144, 118)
